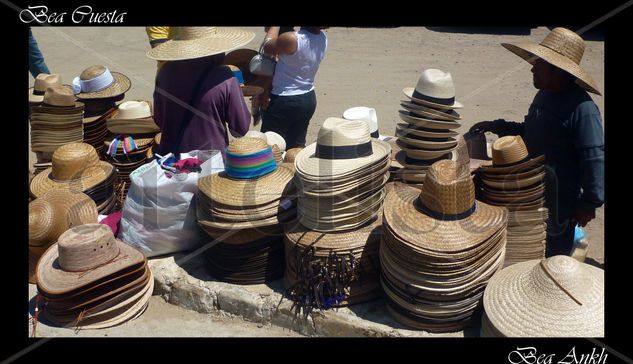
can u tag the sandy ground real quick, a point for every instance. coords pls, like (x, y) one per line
(363, 67)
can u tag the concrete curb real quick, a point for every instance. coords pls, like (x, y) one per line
(189, 286)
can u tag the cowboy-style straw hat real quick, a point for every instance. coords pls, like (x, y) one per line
(561, 48)
(558, 296)
(435, 89)
(133, 117)
(98, 82)
(510, 155)
(75, 167)
(59, 96)
(42, 82)
(196, 42)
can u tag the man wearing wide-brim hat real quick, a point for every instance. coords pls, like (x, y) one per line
(564, 124)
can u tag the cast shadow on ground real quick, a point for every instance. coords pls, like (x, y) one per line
(484, 30)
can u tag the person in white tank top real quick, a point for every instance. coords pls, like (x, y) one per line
(293, 100)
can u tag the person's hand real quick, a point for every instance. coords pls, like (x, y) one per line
(482, 127)
(582, 217)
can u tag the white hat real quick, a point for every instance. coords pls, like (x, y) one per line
(366, 114)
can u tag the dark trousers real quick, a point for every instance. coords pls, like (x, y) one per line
(560, 229)
(289, 117)
(36, 59)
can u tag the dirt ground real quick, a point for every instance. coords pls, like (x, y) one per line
(362, 67)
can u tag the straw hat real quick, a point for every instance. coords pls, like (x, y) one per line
(509, 155)
(83, 255)
(59, 96)
(427, 123)
(275, 139)
(98, 82)
(442, 216)
(558, 296)
(76, 167)
(196, 42)
(561, 48)
(427, 112)
(291, 155)
(366, 114)
(342, 147)
(42, 82)
(435, 89)
(133, 117)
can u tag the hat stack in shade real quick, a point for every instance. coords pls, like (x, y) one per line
(99, 89)
(439, 249)
(341, 177)
(427, 133)
(52, 214)
(132, 131)
(517, 182)
(76, 167)
(55, 122)
(90, 280)
(243, 208)
(554, 297)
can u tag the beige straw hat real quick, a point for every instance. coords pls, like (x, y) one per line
(427, 112)
(120, 84)
(443, 216)
(561, 48)
(510, 155)
(291, 155)
(83, 255)
(196, 42)
(558, 296)
(76, 167)
(133, 117)
(42, 82)
(435, 89)
(419, 121)
(61, 96)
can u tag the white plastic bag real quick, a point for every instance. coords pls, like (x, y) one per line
(159, 213)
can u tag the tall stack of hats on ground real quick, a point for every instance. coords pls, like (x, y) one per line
(90, 280)
(244, 209)
(56, 121)
(76, 167)
(332, 252)
(52, 214)
(439, 249)
(132, 131)
(99, 89)
(553, 297)
(516, 181)
(429, 117)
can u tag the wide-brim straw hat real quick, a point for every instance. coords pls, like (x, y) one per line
(119, 86)
(55, 281)
(513, 184)
(555, 297)
(407, 128)
(196, 42)
(435, 88)
(418, 121)
(429, 112)
(424, 143)
(561, 48)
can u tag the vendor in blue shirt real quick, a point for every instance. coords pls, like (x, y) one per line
(564, 124)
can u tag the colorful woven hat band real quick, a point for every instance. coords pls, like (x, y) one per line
(247, 166)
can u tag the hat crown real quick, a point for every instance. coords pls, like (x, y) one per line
(340, 132)
(134, 110)
(92, 72)
(189, 33)
(366, 114)
(44, 81)
(508, 150)
(86, 247)
(247, 145)
(59, 96)
(45, 222)
(74, 160)
(448, 188)
(566, 43)
(560, 273)
(436, 83)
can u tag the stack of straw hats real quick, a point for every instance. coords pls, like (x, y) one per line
(55, 122)
(243, 208)
(90, 280)
(99, 89)
(76, 167)
(515, 181)
(341, 177)
(439, 249)
(429, 117)
(52, 214)
(132, 133)
(554, 297)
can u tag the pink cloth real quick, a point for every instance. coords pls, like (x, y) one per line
(112, 221)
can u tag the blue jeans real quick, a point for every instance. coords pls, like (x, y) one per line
(36, 59)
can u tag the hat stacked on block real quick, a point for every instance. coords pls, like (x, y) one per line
(341, 177)
(54, 122)
(517, 182)
(76, 167)
(99, 89)
(429, 117)
(244, 208)
(132, 131)
(554, 297)
(90, 280)
(439, 249)
(52, 214)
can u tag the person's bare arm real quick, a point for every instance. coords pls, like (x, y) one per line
(280, 44)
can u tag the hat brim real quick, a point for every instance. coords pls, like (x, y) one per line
(225, 40)
(407, 128)
(132, 126)
(488, 167)
(120, 86)
(429, 144)
(408, 92)
(427, 123)
(35, 98)
(428, 112)
(42, 182)
(528, 51)
(512, 183)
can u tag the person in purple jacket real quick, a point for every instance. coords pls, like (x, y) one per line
(196, 99)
